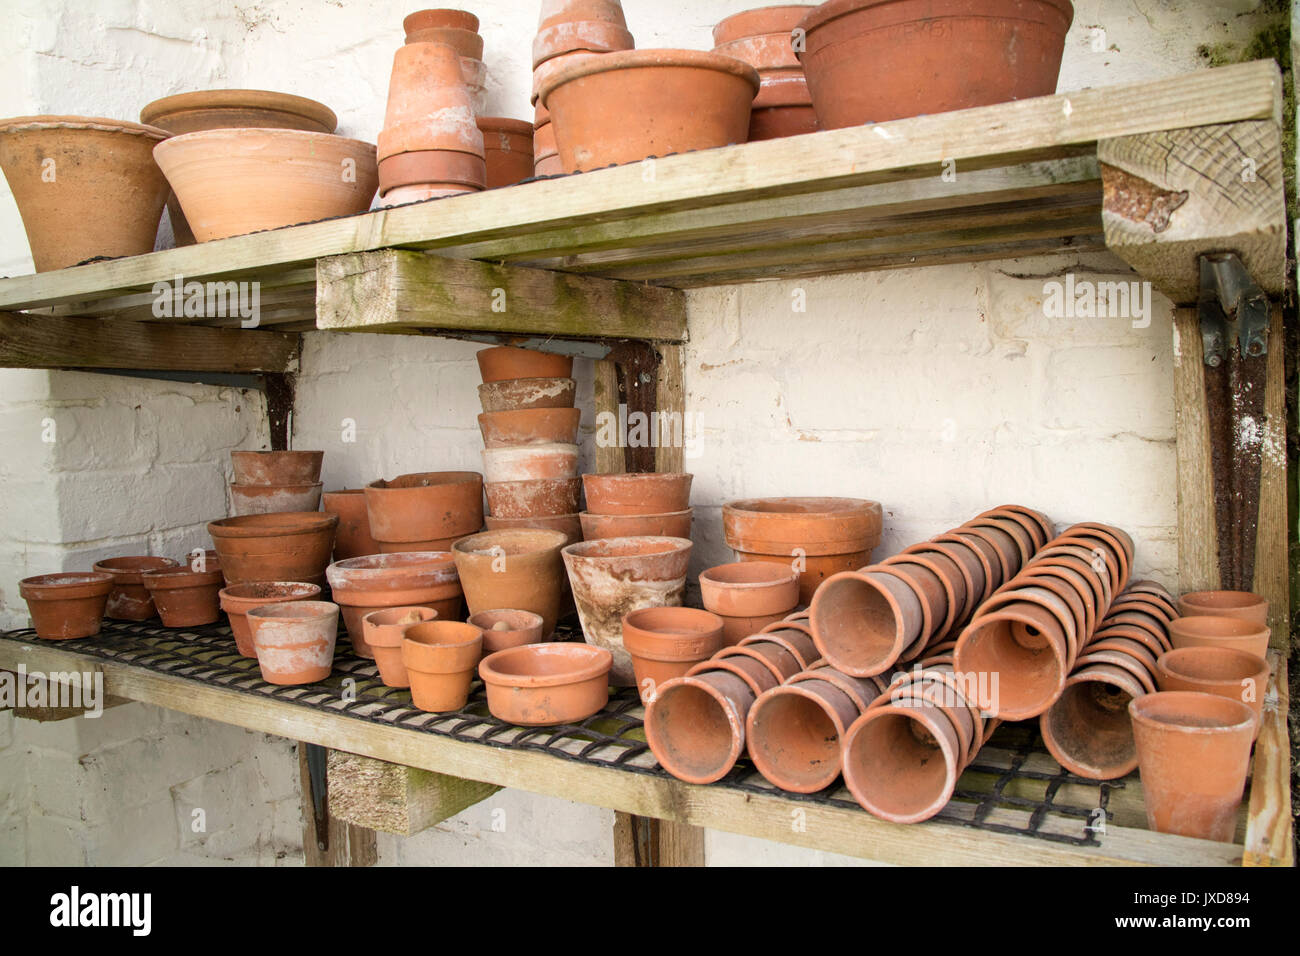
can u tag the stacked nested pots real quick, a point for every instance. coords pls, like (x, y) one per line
(625, 505)
(763, 38)
(406, 579)
(459, 30)
(267, 482)
(568, 31)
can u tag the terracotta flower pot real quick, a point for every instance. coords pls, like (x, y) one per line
(67, 605)
(1229, 673)
(570, 525)
(384, 631)
(863, 620)
(963, 570)
(270, 499)
(666, 642)
(425, 507)
(563, 11)
(750, 589)
(794, 732)
(290, 546)
(238, 599)
(185, 598)
(613, 576)
(539, 497)
(237, 109)
(901, 762)
(541, 685)
(530, 426)
(440, 19)
(816, 568)
(676, 524)
(466, 43)
(130, 600)
(687, 100)
(353, 539)
(85, 186)
(276, 467)
(638, 494)
(815, 526)
(519, 393)
(440, 658)
(1193, 754)
(507, 362)
(696, 725)
(508, 150)
(235, 181)
(295, 641)
(579, 36)
(926, 57)
(508, 627)
(1088, 729)
(1023, 647)
(760, 21)
(1243, 604)
(434, 169)
(1209, 631)
(520, 569)
(530, 462)
(429, 103)
(413, 578)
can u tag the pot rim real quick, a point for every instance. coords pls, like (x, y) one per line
(303, 611)
(576, 551)
(641, 517)
(127, 574)
(101, 124)
(219, 142)
(227, 593)
(466, 545)
(238, 99)
(460, 478)
(49, 584)
(648, 59)
(821, 15)
(774, 582)
(505, 124)
(724, 31)
(1140, 711)
(168, 579)
(590, 662)
(273, 525)
(1167, 663)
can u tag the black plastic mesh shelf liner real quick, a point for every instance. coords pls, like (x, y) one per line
(1014, 786)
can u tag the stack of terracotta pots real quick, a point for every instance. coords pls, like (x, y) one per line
(819, 536)
(568, 31)
(426, 511)
(426, 579)
(268, 482)
(762, 38)
(431, 145)
(623, 505)
(530, 429)
(749, 596)
(915, 603)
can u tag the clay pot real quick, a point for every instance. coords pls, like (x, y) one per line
(736, 628)
(85, 186)
(507, 362)
(570, 525)
(1025, 645)
(129, 600)
(1229, 673)
(238, 599)
(613, 576)
(295, 641)
(289, 546)
(185, 598)
(467, 44)
(676, 524)
(276, 467)
(440, 19)
(798, 643)
(440, 658)
(750, 589)
(901, 761)
(546, 152)
(67, 605)
(353, 538)
(508, 627)
(530, 462)
(638, 494)
(578, 36)
(429, 103)
(408, 579)
(530, 426)
(235, 181)
(418, 509)
(270, 499)
(1243, 604)
(1193, 753)
(1209, 631)
(666, 642)
(928, 57)
(508, 149)
(237, 109)
(540, 497)
(863, 620)
(520, 568)
(816, 526)
(686, 100)
(761, 21)
(384, 631)
(435, 169)
(520, 393)
(762, 38)
(1088, 729)
(541, 685)
(794, 732)
(696, 725)
(929, 590)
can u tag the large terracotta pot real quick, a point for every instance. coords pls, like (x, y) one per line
(685, 100)
(418, 509)
(696, 724)
(295, 641)
(85, 186)
(353, 539)
(66, 606)
(276, 467)
(238, 599)
(1243, 604)
(508, 149)
(868, 61)
(540, 685)
(666, 642)
(638, 493)
(507, 362)
(520, 393)
(130, 600)
(236, 181)
(185, 598)
(411, 578)
(515, 569)
(289, 546)
(1229, 673)
(440, 658)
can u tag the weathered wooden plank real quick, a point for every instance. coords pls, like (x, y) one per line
(670, 401)
(1269, 839)
(395, 799)
(31, 341)
(396, 290)
(345, 844)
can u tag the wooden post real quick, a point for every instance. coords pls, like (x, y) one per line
(346, 844)
(395, 799)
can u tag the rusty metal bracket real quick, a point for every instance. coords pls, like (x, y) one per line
(1234, 319)
(638, 386)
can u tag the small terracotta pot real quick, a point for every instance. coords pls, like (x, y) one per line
(185, 598)
(794, 732)
(696, 725)
(676, 524)
(816, 526)
(415, 578)
(585, 36)
(520, 568)
(862, 621)
(1193, 754)
(276, 467)
(238, 599)
(666, 642)
(613, 576)
(424, 507)
(295, 641)
(571, 525)
(291, 546)
(901, 762)
(750, 589)
(1229, 673)
(816, 568)
(537, 498)
(508, 149)
(530, 462)
(736, 628)
(1243, 604)
(384, 631)
(1024, 647)
(507, 362)
(130, 600)
(508, 627)
(430, 106)
(68, 605)
(271, 499)
(650, 493)
(1209, 631)
(520, 393)
(353, 538)
(541, 685)
(440, 658)
(1088, 729)
(440, 19)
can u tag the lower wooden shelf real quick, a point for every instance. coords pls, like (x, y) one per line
(1015, 806)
